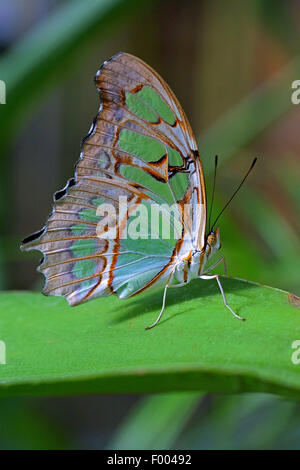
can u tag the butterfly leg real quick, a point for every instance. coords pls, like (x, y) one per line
(162, 310)
(216, 276)
(164, 302)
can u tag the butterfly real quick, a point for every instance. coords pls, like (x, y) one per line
(140, 152)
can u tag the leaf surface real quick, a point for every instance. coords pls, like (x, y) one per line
(102, 346)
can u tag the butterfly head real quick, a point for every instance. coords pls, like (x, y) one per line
(213, 241)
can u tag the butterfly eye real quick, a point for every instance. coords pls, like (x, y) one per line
(211, 239)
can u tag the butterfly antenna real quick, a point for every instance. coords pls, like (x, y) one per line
(213, 192)
(235, 192)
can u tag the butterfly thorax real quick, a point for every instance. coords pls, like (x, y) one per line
(192, 264)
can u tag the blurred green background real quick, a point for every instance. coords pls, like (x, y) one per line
(231, 65)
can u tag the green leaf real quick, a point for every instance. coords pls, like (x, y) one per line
(167, 413)
(102, 346)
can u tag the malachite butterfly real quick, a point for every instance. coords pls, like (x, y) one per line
(139, 174)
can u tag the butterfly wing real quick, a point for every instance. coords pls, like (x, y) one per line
(140, 146)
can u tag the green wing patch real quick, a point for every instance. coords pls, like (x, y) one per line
(84, 247)
(147, 104)
(140, 145)
(140, 108)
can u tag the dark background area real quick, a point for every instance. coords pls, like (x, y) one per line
(231, 64)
